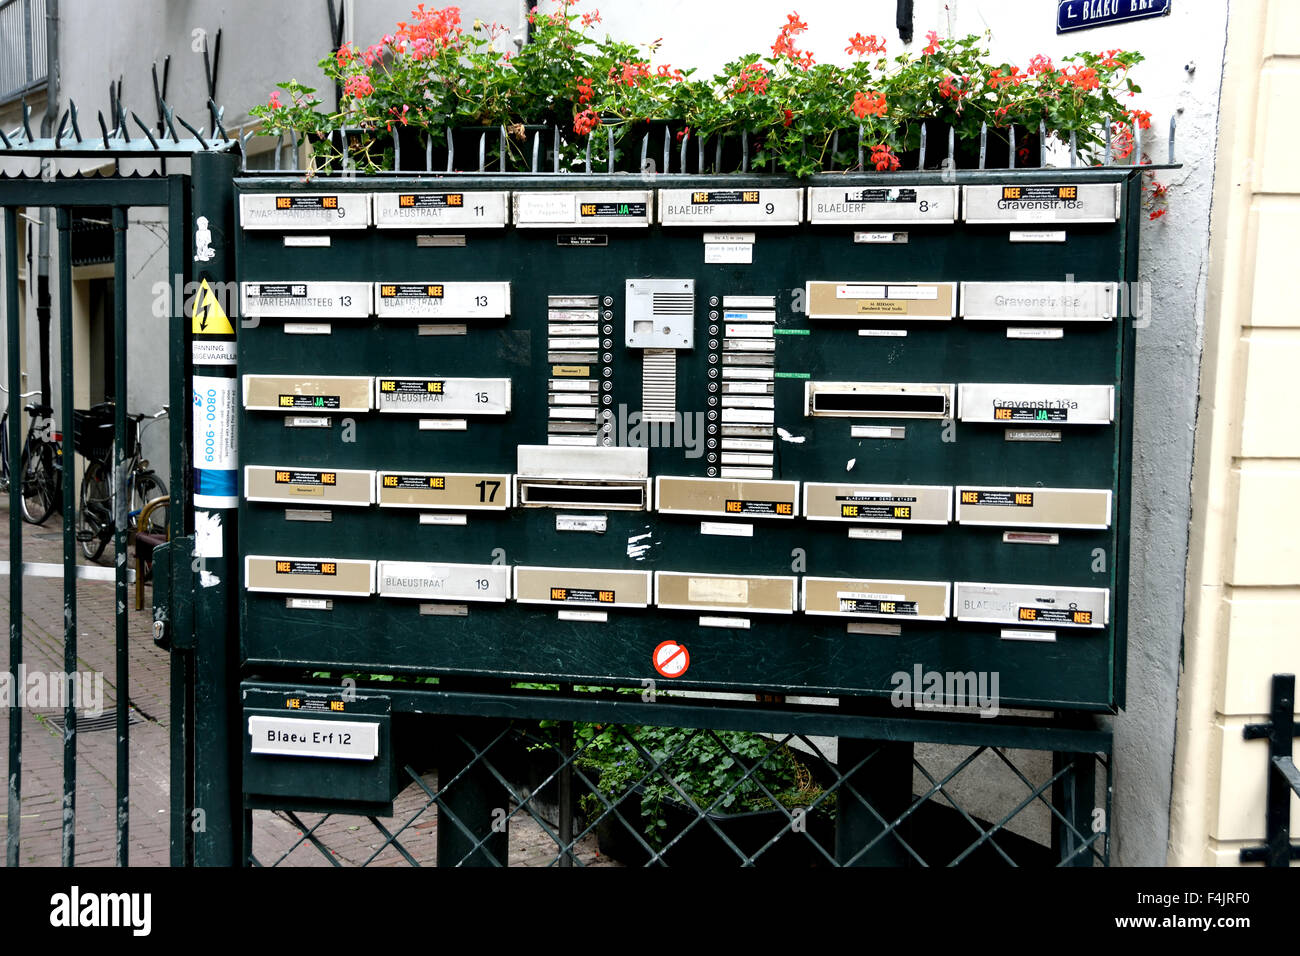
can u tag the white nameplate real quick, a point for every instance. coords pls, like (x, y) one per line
(1045, 301)
(595, 524)
(1037, 235)
(333, 300)
(1020, 403)
(443, 425)
(720, 252)
(290, 210)
(1016, 634)
(1079, 202)
(447, 396)
(726, 528)
(299, 737)
(879, 204)
(306, 242)
(712, 620)
(1029, 604)
(436, 580)
(876, 534)
(597, 209)
(442, 300)
(747, 207)
(307, 328)
(1041, 332)
(440, 209)
(427, 518)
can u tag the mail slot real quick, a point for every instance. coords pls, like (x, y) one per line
(872, 598)
(295, 485)
(294, 575)
(690, 591)
(877, 504)
(582, 587)
(876, 400)
(308, 393)
(1034, 507)
(590, 478)
(1032, 604)
(726, 497)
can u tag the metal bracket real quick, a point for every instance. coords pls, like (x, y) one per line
(1283, 777)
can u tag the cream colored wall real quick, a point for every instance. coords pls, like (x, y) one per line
(1243, 576)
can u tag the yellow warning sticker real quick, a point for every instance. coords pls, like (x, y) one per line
(209, 318)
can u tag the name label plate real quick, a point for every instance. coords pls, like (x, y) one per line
(443, 396)
(1031, 604)
(442, 210)
(328, 576)
(1034, 507)
(582, 587)
(884, 599)
(735, 207)
(290, 393)
(723, 592)
(605, 209)
(295, 300)
(295, 485)
(442, 300)
(1040, 404)
(291, 210)
(877, 504)
(723, 496)
(1077, 202)
(299, 737)
(443, 489)
(439, 581)
(1046, 301)
(887, 205)
(861, 301)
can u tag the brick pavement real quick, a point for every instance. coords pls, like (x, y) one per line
(351, 840)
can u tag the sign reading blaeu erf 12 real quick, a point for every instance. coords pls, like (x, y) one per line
(1074, 15)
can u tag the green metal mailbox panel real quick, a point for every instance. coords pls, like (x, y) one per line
(731, 434)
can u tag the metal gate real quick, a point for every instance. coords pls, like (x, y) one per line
(120, 193)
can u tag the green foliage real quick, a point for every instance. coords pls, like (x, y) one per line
(432, 73)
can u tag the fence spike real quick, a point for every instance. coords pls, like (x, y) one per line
(1042, 142)
(667, 149)
(501, 146)
(27, 117)
(451, 150)
(952, 148)
(1173, 127)
(482, 151)
(1011, 146)
(58, 136)
(717, 154)
(218, 114)
(197, 134)
(744, 150)
(984, 143)
(862, 149)
(537, 139)
(72, 115)
(587, 154)
(609, 137)
(279, 146)
(5, 139)
(168, 115)
(1106, 121)
(103, 128)
(428, 153)
(920, 159)
(686, 138)
(555, 144)
(1074, 149)
(148, 135)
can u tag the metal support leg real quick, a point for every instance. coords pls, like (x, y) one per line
(476, 799)
(884, 782)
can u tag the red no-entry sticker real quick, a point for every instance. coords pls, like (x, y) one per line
(671, 659)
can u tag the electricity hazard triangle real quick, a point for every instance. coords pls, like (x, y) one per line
(209, 317)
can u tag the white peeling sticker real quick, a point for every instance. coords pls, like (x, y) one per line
(207, 579)
(851, 463)
(795, 439)
(207, 535)
(638, 545)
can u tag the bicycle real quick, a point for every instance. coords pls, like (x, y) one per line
(41, 463)
(96, 515)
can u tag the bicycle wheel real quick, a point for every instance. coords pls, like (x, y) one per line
(94, 511)
(38, 484)
(146, 487)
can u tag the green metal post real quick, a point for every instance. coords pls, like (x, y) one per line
(476, 799)
(1074, 796)
(218, 735)
(121, 507)
(884, 782)
(179, 582)
(66, 400)
(15, 532)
